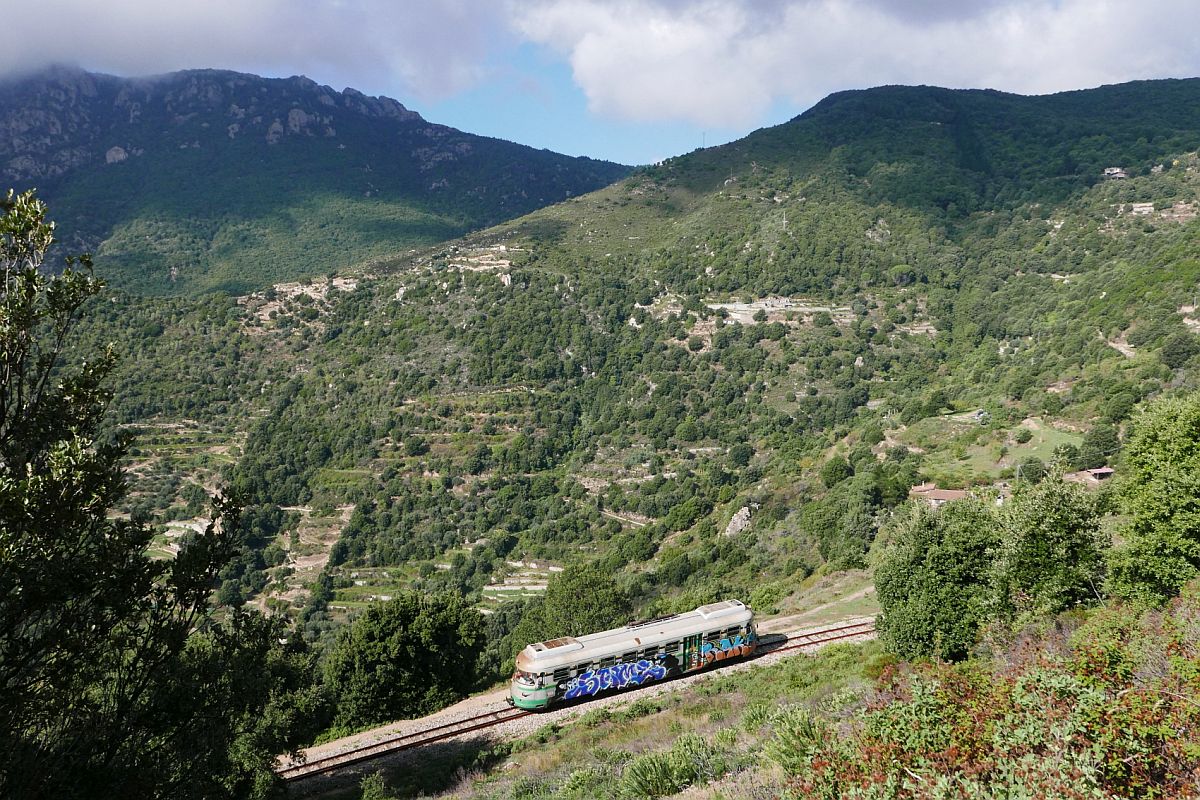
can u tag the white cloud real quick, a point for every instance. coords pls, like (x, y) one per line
(724, 62)
(427, 49)
(715, 63)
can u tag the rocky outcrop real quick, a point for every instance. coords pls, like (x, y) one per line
(186, 154)
(739, 522)
(58, 120)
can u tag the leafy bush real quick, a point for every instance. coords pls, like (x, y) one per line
(690, 760)
(1161, 551)
(651, 775)
(408, 656)
(1111, 712)
(932, 579)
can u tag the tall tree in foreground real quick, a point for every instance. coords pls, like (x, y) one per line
(1051, 553)
(932, 579)
(114, 679)
(409, 656)
(1160, 491)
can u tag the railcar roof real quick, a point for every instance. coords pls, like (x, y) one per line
(564, 651)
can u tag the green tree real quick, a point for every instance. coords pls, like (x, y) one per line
(1099, 445)
(834, 471)
(1066, 455)
(403, 658)
(580, 599)
(1032, 469)
(1051, 552)
(1160, 490)
(931, 579)
(1179, 349)
(740, 455)
(115, 680)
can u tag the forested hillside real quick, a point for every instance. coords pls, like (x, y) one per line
(210, 179)
(616, 377)
(719, 377)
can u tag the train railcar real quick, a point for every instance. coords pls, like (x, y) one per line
(572, 667)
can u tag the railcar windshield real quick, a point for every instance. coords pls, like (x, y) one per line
(525, 678)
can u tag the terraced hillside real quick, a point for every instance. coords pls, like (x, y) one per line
(719, 376)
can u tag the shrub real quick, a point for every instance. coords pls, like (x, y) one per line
(650, 775)
(797, 741)
(690, 760)
(756, 716)
(932, 580)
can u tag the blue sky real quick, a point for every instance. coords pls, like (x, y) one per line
(530, 97)
(632, 81)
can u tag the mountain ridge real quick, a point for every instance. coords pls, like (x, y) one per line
(254, 180)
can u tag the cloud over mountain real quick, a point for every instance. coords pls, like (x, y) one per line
(722, 63)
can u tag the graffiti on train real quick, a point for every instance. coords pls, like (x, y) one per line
(615, 677)
(740, 645)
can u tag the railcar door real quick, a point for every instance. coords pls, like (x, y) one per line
(691, 651)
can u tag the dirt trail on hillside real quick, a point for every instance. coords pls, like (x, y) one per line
(792, 621)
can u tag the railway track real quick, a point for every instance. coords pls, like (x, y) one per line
(395, 744)
(796, 641)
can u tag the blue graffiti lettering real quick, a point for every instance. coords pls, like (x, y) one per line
(618, 676)
(740, 645)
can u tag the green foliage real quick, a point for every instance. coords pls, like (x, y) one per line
(947, 572)
(798, 737)
(374, 787)
(1051, 551)
(1160, 491)
(114, 676)
(1099, 445)
(1178, 349)
(651, 775)
(1032, 469)
(580, 599)
(690, 760)
(835, 470)
(403, 658)
(932, 579)
(1101, 715)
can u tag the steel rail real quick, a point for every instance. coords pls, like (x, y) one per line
(796, 641)
(449, 730)
(400, 742)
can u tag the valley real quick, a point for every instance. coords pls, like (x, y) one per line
(822, 369)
